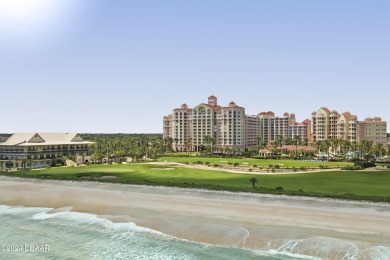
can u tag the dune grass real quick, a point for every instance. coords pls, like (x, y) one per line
(373, 186)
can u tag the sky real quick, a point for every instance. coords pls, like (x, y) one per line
(104, 66)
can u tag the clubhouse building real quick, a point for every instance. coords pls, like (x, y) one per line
(38, 150)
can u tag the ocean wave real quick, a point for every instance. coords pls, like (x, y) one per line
(310, 248)
(8, 210)
(38, 213)
(328, 248)
(94, 219)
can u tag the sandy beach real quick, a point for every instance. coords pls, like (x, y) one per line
(242, 220)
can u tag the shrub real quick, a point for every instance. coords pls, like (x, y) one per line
(236, 164)
(273, 170)
(259, 157)
(250, 170)
(300, 190)
(364, 164)
(351, 168)
(255, 166)
(199, 162)
(279, 188)
(207, 163)
(246, 154)
(294, 169)
(58, 165)
(216, 165)
(277, 166)
(230, 163)
(270, 166)
(302, 168)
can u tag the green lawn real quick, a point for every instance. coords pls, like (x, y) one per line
(340, 184)
(250, 161)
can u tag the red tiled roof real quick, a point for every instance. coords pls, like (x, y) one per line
(299, 148)
(267, 113)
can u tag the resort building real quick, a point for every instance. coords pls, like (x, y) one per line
(328, 124)
(38, 150)
(321, 124)
(180, 123)
(372, 129)
(252, 132)
(208, 125)
(219, 127)
(231, 127)
(272, 128)
(300, 131)
(204, 124)
(347, 127)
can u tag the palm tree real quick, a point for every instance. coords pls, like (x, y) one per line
(297, 139)
(365, 147)
(344, 145)
(253, 181)
(318, 146)
(176, 140)
(210, 141)
(24, 162)
(334, 144)
(378, 150)
(326, 145)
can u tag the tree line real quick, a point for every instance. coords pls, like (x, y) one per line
(117, 147)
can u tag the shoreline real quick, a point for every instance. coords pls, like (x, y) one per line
(244, 220)
(222, 189)
(203, 190)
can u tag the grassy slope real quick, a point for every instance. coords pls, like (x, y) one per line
(363, 185)
(258, 162)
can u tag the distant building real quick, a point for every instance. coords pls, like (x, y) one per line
(37, 150)
(328, 124)
(210, 124)
(373, 129)
(227, 127)
(273, 127)
(300, 131)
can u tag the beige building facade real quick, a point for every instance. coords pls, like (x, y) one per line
(328, 124)
(229, 127)
(210, 124)
(372, 129)
(38, 150)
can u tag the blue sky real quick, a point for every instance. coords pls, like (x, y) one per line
(120, 66)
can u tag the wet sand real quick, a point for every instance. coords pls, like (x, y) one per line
(244, 220)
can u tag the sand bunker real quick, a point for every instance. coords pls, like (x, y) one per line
(108, 177)
(87, 177)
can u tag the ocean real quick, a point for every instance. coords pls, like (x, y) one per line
(34, 233)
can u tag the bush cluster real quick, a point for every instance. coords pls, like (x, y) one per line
(364, 165)
(351, 168)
